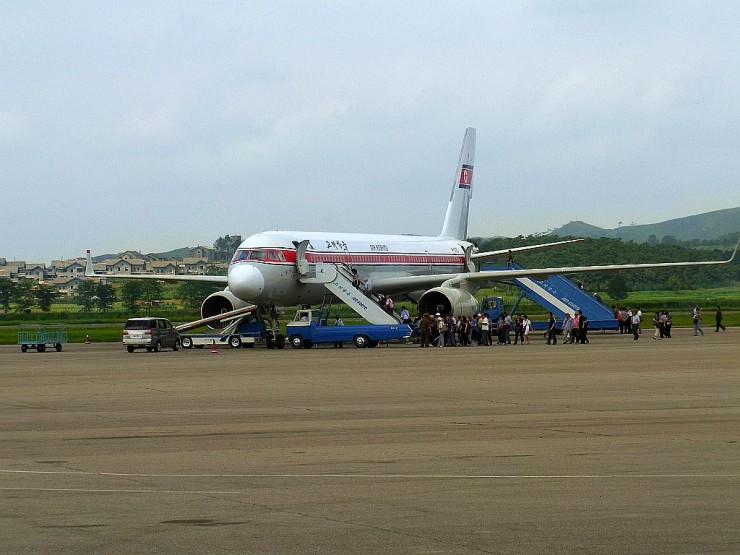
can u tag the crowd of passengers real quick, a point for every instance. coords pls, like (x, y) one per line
(630, 321)
(447, 331)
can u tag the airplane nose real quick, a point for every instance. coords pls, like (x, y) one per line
(246, 282)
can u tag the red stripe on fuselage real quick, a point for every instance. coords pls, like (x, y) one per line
(364, 258)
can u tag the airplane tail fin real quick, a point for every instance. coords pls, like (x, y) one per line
(456, 219)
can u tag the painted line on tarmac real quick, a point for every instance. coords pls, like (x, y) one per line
(376, 476)
(148, 491)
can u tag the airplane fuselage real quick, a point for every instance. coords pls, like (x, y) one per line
(263, 269)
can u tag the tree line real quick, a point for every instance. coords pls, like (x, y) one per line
(615, 251)
(135, 296)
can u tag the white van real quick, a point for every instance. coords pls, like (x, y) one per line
(150, 333)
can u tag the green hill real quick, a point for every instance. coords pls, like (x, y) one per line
(702, 227)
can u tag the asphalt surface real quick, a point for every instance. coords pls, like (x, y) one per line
(612, 447)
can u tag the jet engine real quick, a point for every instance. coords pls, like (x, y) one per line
(218, 303)
(447, 300)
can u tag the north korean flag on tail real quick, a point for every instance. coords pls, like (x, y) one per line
(466, 176)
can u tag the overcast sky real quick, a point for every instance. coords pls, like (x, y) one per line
(154, 125)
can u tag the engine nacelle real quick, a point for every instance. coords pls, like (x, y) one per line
(447, 300)
(218, 303)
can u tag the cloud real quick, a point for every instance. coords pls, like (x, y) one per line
(236, 117)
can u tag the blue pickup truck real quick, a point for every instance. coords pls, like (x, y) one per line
(310, 328)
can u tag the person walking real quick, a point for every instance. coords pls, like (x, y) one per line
(425, 330)
(527, 326)
(551, 325)
(668, 325)
(338, 322)
(635, 321)
(483, 325)
(567, 328)
(576, 327)
(518, 330)
(464, 329)
(658, 323)
(441, 330)
(696, 315)
(582, 328)
(718, 318)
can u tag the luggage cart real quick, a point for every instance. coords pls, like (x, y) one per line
(39, 336)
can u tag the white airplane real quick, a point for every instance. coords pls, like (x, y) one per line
(277, 268)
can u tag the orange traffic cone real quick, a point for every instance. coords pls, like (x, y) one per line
(214, 347)
(87, 339)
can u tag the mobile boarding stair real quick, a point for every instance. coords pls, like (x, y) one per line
(559, 295)
(233, 315)
(337, 279)
(239, 331)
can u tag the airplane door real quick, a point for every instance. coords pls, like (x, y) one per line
(300, 259)
(469, 264)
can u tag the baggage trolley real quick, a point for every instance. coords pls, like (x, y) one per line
(40, 336)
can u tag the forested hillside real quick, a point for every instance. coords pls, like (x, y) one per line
(709, 226)
(614, 251)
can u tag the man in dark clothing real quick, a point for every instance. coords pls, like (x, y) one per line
(582, 328)
(551, 326)
(424, 330)
(718, 318)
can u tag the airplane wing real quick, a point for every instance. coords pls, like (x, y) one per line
(483, 256)
(216, 280)
(414, 283)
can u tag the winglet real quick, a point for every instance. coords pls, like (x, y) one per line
(89, 270)
(734, 252)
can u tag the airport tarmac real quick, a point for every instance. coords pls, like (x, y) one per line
(615, 446)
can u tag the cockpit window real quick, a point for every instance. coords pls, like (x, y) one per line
(250, 255)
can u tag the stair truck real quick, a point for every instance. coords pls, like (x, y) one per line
(310, 327)
(556, 294)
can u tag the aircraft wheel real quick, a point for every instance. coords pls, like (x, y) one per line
(130, 349)
(361, 341)
(296, 341)
(187, 343)
(280, 343)
(235, 341)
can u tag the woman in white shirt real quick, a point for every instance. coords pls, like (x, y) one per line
(527, 324)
